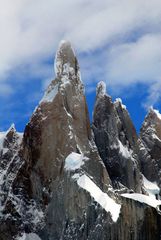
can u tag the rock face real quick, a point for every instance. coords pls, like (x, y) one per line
(116, 139)
(150, 136)
(59, 126)
(57, 185)
(9, 147)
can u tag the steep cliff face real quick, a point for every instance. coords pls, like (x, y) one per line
(116, 139)
(150, 137)
(10, 163)
(58, 186)
(56, 140)
(9, 146)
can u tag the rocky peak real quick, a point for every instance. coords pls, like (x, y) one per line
(150, 137)
(118, 104)
(58, 149)
(150, 132)
(152, 123)
(67, 67)
(9, 138)
(10, 145)
(65, 61)
(54, 185)
(116, 139)
(101, 89)
(68, 79)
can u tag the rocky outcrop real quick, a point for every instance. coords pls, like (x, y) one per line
(116, 139)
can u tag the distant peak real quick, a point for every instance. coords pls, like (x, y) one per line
(101, 89)
(11, 128)
(118, 101)
(65, 60)
(64, 43)
(155, 111)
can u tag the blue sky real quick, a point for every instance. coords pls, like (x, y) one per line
(117, 41)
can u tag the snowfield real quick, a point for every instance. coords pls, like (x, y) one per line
(99, 196)
(74, 161)
(29, 236)
(151, 187)
(143, 199)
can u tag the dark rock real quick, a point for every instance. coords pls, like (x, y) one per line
(150, 138)
(116, 139)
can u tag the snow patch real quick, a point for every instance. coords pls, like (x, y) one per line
(74, 161)
(119, 101)
(29, 236)
(99, 196)
(156, 112)
(143, 199)
(2, 137)
(154, 136)
(125, 152)
(151, 187)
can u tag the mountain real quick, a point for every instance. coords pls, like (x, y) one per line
(150, 136)
(65, 179)
(116, 139)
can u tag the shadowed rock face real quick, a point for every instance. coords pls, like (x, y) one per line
(57, 186)
(116, 139)
(150, 137)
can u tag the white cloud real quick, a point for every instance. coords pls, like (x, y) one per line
(154, 95)
(30, 32)
(134, 62)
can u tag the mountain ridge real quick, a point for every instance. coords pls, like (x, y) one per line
(66, 180)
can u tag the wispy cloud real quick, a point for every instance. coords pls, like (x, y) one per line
(135, 62)
(154, 95)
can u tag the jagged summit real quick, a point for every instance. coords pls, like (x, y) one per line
(116, 139)
(67, 73)
(56, 184)
(154, 113)
(8, 135)
(118, 102)
(101, 89)
(150, 135)
(152, 120)
(65, 60)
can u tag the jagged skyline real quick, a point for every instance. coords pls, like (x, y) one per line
(121, 49)
(66, 179)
